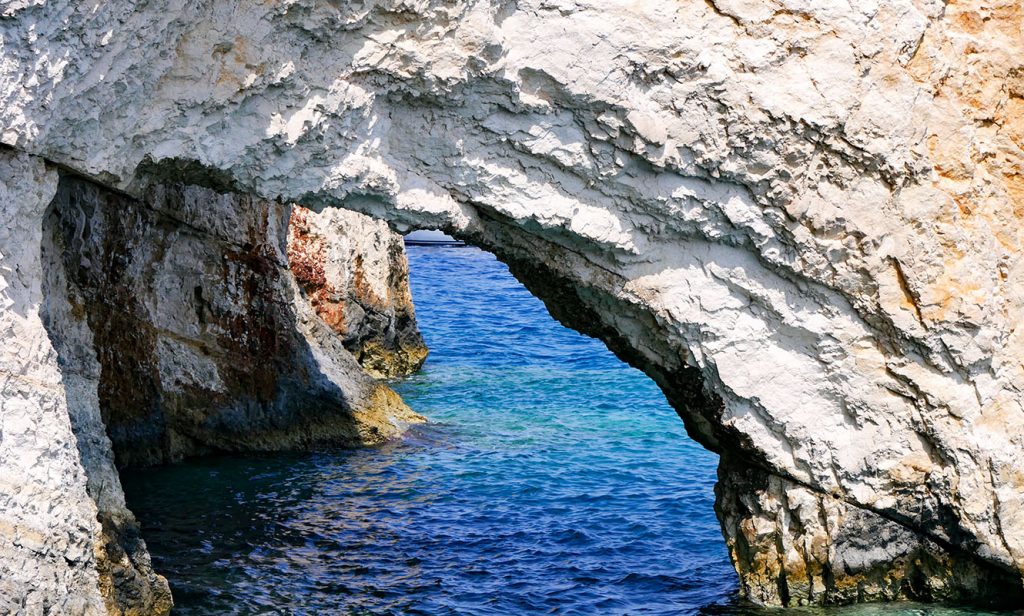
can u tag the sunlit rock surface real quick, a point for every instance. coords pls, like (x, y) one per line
(353, 270)
(49, 530)
(802, 219)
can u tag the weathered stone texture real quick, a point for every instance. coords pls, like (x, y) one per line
(802, 219)
(172, 324)
(806, 548)
(353, 270)
(202, 341)
(49, 533)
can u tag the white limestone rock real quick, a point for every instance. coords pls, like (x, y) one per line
(48, 524)
(174, 325)
(801, 218)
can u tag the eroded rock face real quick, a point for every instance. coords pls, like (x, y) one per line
(68, 544)
(802, 547)
(201, 340)
(49, 532)
(802, 219)
(152, 329)
(353, 270)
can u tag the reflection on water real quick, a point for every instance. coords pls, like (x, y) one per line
(553, 479)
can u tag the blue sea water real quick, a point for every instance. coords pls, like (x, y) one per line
(551, 479)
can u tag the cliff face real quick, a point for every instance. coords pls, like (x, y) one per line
(201, 340)
(49, 529)
(354, 271)
(801, 219)
(177, 329)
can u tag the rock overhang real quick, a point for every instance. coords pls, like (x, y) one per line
(808, 211)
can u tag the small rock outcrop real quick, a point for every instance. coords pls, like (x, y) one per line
(354, 271)
(802, 219)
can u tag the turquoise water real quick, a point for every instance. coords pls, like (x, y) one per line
(552, 479)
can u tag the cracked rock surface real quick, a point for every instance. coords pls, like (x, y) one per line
(49, 529)
(353, 270)
(802, 219)
(147, 330)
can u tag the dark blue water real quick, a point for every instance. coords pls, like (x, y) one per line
(552, 479)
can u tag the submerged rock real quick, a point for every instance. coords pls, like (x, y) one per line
(801, 219)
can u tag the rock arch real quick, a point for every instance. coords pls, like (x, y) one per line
(801, 221)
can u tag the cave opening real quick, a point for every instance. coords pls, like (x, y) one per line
(528, 471)
(201, 334)
(550, 476)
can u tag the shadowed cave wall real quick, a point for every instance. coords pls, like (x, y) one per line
(181, 331)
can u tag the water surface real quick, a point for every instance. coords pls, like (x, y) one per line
(552, 479)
